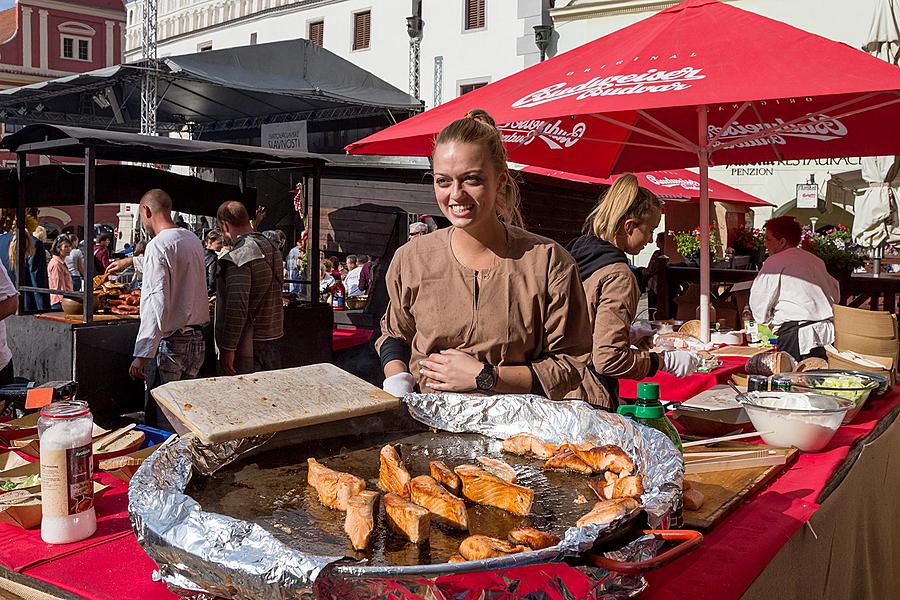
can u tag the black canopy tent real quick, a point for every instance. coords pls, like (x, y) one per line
(92, 145)
(219, 90)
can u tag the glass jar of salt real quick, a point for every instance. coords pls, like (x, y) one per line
(67, 490)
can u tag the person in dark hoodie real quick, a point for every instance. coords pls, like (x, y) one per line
(622, 222)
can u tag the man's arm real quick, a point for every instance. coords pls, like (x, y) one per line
(9, 306)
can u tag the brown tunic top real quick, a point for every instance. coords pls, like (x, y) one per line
(529, 309)
(612, 294)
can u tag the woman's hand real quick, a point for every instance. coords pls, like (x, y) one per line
(450, 371)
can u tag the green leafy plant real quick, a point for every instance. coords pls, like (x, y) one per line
(835, 247)
(749, 241)
(688, 242)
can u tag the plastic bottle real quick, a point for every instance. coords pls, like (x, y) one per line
(67, 466)
(648, 411)
(338, 294)
(750, 327)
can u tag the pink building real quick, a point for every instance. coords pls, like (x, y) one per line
(46, 39)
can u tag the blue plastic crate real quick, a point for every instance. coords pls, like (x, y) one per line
(152, 435)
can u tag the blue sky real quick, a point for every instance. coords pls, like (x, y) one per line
(7, 4)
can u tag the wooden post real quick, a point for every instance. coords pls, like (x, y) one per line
(21, 258)
(314, 229)
(662, 287)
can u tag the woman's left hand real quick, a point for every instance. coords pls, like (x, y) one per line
(450, 371)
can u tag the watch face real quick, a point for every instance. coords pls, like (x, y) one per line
(485, 381)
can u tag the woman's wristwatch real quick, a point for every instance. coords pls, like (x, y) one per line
(486, 381)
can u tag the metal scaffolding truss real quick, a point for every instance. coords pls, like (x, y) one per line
(149, 83)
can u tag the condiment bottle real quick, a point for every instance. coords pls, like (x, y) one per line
(650, 412)
(67, 464)
(338, 294)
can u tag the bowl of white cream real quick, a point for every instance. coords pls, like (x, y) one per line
(803, 420)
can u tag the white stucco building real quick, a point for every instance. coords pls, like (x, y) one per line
(464, 43)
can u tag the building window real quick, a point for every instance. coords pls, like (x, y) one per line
(474, 14)
(204, 47)
(253, 38)
(465, 88)
(317, 33)
(362, 22)
(75, 48)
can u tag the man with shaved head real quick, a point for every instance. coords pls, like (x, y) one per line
(174, 305)
(249, 310)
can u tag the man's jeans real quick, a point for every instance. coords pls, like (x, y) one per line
(179, 357)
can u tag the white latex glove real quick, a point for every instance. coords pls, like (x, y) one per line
(680, 363)
(399, 385)
(640, 334)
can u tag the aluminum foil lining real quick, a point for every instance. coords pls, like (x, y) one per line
(201, 553)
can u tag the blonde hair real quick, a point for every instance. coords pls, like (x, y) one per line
(625, 199)
(479, 128)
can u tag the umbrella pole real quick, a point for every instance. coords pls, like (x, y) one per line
(703, 155)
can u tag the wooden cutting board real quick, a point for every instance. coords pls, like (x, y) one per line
(74, 319)
(725, 490)
(741, 351)
(220, 409)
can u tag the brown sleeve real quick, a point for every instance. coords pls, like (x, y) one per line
(397, 322)
(567, 342)
(616, 302)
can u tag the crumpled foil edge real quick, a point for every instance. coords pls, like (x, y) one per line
(201, 552)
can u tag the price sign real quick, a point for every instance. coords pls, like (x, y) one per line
(807, 195)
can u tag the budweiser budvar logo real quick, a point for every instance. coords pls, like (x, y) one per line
(817, 127)
(671, 182)
(650, 81)
(551, 133)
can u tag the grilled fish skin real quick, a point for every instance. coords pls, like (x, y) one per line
(607, 511)
(408, 519)
(479, 547)
(334, 487)
(445, 475)
(456, 558)
(393, 475)
(525, 444)
(480, 486)
(606, 458)
(568, 461)
(447, 508)
(498, 468)
(360, 520)
(533, 538)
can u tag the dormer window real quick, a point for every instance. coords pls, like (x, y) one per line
(75, 41)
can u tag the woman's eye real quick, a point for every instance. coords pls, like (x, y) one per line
(473, 179)
(441, 181)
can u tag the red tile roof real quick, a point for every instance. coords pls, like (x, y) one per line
(106, 4)
(7, 23)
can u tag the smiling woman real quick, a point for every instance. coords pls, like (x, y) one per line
(482, 305)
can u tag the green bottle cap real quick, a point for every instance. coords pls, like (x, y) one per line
(648, 391)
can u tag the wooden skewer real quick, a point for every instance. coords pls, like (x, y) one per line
(693, 455)
(739, 463)
(727, 438)
(109, 438)
(732, 457)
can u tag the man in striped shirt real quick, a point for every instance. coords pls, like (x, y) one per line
(249, 310)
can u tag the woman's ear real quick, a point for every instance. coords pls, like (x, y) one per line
(629, 225)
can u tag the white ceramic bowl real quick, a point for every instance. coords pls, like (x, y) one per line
(803, 420)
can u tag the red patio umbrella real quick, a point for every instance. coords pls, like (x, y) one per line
(699, 83)
(677, 184)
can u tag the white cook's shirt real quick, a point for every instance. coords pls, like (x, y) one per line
(173, 293)
(7, 290)
(352, 282)
(794, 285)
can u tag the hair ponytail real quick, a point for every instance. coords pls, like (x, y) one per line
(479, 128)
(625, 199)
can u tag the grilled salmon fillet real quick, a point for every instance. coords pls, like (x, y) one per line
(480, 486)
(568, 461)
(533, 538)
(360, 520)
(631, 486)
(498, 468)
(335, 488)
(478, 547)
(393, 476)
(456, 558)
(607, 511)
(408, 519)
(447, 508)
(444, 475)
(525, 444)
(606, 458)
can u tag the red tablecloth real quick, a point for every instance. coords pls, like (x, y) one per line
(678, 389)
(344, 338)
(112, 566)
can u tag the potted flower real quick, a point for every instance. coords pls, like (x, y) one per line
(688, 244)
(752, 242)
(836, 249)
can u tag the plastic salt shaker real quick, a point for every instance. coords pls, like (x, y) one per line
(67, 490)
